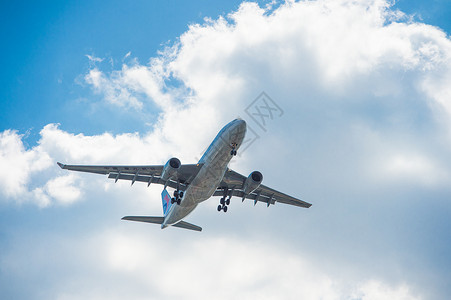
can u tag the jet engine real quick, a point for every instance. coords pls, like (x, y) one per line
(170, 169)
(252, 182)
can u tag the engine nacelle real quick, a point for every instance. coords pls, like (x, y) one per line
(252, 182)
(171, 168)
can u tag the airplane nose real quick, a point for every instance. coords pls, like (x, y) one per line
(240, 123)
(239, 131)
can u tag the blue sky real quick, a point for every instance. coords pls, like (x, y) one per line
(45, 50)
(364, 136)
(46, 43)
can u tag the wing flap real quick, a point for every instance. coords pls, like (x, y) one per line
(141, 178)
(147, 179)
(252, 196)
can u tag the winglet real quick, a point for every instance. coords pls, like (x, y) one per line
(61, 165)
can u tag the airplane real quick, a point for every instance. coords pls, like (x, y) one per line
(195, 183)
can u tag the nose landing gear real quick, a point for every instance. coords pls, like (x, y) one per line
(233, 151)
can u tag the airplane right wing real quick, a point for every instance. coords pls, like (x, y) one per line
(233, 183)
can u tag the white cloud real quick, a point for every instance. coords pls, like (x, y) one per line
(112, 91)
(62, 189)
(374, 290)
(40, 197)
(17, 163)
(94, 59)
(412, 166)
(32, 175)
(366, 98)
(346, 52)
(364, 94)
(138, 263)
(225, 267)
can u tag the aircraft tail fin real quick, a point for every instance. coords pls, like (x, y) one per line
(166, 200)
(159, 220)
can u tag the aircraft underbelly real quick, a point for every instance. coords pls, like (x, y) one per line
(215, 162)
(201, 188)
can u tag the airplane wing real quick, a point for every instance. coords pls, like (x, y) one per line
(234, 183)
(147, 174)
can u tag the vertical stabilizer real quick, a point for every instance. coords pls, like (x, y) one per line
(166, 199)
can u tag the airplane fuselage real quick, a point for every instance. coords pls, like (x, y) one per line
(214, 165)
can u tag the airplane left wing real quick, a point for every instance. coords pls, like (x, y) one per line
(233, 184)
(147, 174)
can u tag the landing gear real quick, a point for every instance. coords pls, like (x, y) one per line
(225, 201)
(178, 195)
(222, 207)
(223, 204)
(233, 151)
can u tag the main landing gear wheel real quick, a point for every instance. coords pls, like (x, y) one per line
(177, 197)
(223, 204)
(222, 207)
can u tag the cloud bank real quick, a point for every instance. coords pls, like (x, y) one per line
(365, 137)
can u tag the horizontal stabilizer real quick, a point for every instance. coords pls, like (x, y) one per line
(154, 220)
(159, 220)
(186, 225)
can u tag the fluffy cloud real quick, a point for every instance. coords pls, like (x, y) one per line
(113, 92)
(18, 163)
(329, 43)
(62, 189)
(32, 175)
(354, 65)
(364, 136)
(365, 129)
(136, 263)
